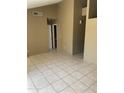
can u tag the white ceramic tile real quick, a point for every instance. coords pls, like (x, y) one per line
(37, 76)
(61, 74)
(93, 66)
(48, 67)
(48, 73)
(92, 76)
(89, 91)
(63, 66)
(34, 60)
(31, 68)
(83, 64)
(42, 68)
(83, 71)
(59, 85)
(41, 83)
(41, 65)
(77, 75)
(47, 90)
(29, 63)
(52, 78)
(69, 79)
(75, 67)
(32, 91)
(34, 72)
(85, 80)
(30, 84)
(69, 70)
(55, 70)
(79, 87)
(51, 65)
(94, 87)
(68, 90)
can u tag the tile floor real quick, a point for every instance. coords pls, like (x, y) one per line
(60, 73)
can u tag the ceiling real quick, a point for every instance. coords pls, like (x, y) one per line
(38, 3)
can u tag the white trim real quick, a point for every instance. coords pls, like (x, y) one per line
(50, 40)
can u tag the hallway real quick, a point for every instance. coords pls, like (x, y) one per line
(60, 73)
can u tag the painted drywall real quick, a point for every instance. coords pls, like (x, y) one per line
(70, 38)
(65, 23)
(78, 28)
(90, 54)
(37, 29)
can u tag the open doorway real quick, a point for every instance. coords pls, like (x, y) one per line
(55, 35)
(83, 32)
(79, 36)
(79, 27)
(52, 31)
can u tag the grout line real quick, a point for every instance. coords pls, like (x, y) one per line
(92, 85)
(61, 78)
(43, 76)
(33, 84)
(46, 80)
(56, 81)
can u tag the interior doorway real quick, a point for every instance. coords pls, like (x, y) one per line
(83, 32)
(52, 29)
(55, 35)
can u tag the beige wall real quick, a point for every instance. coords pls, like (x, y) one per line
(90, 54)
(70, 31)
(65, 24)
(37, 30)
(68, 16)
